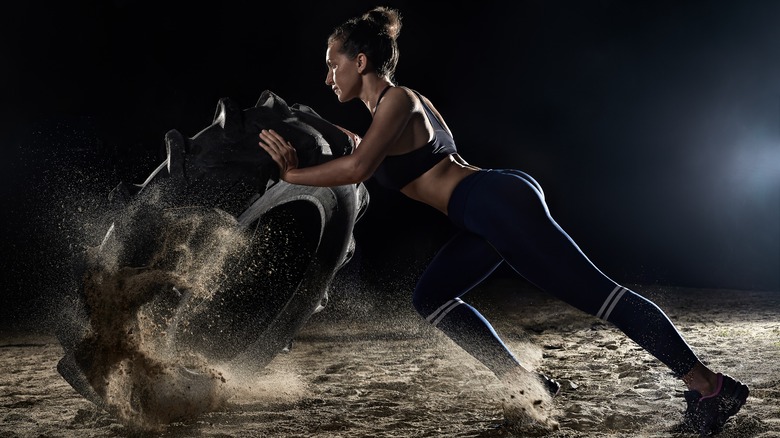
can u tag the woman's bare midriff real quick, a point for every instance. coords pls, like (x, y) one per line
(435, 186)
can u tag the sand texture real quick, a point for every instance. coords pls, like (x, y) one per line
(372, 370)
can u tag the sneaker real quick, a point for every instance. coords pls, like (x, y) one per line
(553, 387)
(526, 400)
(707, 415)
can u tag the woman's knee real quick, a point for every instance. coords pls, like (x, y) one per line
(418, 303)
(424, 303)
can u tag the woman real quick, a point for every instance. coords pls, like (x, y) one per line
(501, 214)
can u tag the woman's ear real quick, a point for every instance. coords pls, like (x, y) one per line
(362, 62)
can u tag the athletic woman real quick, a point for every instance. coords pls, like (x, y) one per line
(501, 215)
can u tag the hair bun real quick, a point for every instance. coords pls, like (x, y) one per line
(387, 18)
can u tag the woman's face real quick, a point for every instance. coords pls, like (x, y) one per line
(343, 77)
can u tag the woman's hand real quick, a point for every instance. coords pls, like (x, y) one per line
(280, 150)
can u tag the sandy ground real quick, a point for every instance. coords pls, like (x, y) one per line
(352, 375)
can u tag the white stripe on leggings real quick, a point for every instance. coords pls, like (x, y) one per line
(619, 291)
(435, 317)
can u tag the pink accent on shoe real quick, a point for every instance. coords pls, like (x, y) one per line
(717, 391)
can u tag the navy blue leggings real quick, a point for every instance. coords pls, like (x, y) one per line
(503, 216)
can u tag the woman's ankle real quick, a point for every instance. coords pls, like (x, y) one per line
(513, 371)
(701, 379)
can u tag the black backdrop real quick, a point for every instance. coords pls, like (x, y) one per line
(654, 126)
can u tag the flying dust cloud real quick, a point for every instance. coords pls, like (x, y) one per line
(130, 353)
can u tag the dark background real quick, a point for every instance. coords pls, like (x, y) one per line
(654, 126)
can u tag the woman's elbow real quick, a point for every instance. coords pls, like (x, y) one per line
(360, 175)
(359, 172)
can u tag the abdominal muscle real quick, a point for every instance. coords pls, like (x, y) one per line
(435, 186)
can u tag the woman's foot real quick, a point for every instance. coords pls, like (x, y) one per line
(553, 387)
(708, 414)
(527, 400)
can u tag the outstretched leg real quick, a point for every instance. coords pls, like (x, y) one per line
(509, 211)
(511, 214)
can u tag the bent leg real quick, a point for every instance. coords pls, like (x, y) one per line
(461, 264)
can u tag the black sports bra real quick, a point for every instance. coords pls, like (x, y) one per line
(396, 171)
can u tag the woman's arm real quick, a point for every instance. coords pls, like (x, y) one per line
(389, 122)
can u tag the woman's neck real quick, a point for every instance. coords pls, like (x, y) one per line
(374, 92)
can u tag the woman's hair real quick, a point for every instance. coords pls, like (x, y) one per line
(374, 34)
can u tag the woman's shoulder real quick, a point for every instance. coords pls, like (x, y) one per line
(417, 98)
(410, 95)
(401, 98)
(408, 91)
